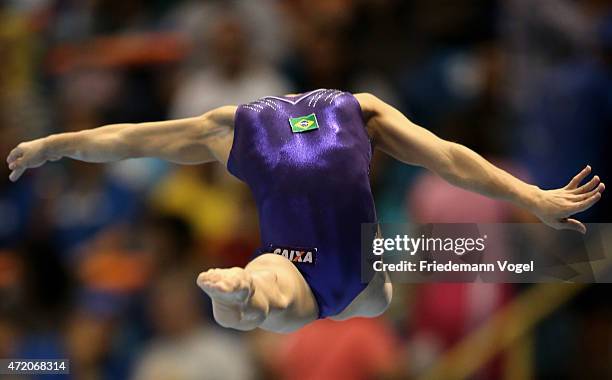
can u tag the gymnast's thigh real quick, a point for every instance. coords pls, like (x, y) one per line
(302, 305)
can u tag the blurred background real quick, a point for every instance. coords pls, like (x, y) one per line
(98, 263)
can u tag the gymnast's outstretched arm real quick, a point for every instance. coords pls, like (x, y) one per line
(193, 140)
(397, 136)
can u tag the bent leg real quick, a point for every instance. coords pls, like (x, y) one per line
(372, 301)
(269, 293)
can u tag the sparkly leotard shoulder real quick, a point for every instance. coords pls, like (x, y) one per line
(306, 159)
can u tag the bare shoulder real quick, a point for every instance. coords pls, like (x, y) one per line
(371, 108)
(217, 131)
(217, 122)
(370, 103)
(222, 116)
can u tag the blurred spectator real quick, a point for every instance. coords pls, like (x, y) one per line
(444, 313)
(263, 21)
(89, 340)
(218, 208)
(235, 75)
(17, 204)
(86, 200)
(570, 120)
(185, 346)
(20, 104)
(10, 333)
(168, 239)
(539, 36)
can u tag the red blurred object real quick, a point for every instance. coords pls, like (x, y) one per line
(359, 348)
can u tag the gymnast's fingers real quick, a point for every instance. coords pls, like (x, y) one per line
(588, 186)
(15, 154)
(15, 174)
(587, 203)
(578, 178)
(582, 197)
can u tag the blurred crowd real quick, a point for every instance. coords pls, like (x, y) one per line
(98, 263)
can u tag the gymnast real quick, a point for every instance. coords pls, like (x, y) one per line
(306, 158)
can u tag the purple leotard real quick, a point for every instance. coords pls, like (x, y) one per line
(311, 185)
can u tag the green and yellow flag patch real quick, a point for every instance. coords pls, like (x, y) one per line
(303, 123)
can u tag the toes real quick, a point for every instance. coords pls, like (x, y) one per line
(210, 275)
(201, 278)
(226, 285)
(206, 279)
(226, 280)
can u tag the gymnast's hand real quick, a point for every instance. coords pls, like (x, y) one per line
(554, 207)
(26, 155)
